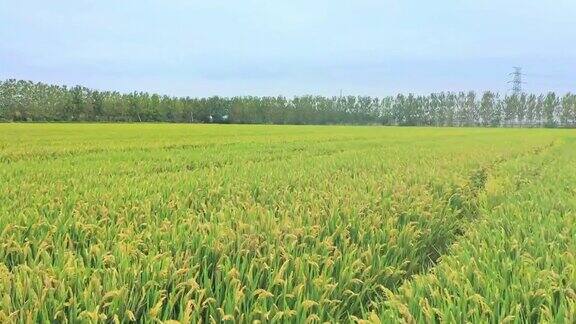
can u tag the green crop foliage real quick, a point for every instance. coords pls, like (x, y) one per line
(105, 223)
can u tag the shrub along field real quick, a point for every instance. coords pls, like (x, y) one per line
(189, 223)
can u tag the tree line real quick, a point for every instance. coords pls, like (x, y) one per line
(38, 102)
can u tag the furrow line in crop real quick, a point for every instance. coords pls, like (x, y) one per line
(466, 201)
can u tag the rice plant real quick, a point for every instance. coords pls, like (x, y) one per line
(207, 223)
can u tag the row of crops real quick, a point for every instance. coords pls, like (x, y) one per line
(149, 223)
(515, 264)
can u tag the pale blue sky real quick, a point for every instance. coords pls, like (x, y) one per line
(257, 47)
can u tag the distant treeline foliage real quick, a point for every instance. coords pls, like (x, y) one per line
(39, 102)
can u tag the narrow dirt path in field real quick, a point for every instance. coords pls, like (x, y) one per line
(466, 201)
(515, 263)
(465, 206)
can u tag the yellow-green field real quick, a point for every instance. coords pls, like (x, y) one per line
(190, 223)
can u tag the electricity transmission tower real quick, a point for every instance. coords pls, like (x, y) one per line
(516, 80)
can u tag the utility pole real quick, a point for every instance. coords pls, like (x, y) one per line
(516, 80)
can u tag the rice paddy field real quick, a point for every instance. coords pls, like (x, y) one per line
(152, 223)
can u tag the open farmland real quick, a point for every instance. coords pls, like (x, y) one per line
(158, 222)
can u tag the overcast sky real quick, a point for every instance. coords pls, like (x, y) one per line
(257, 47)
